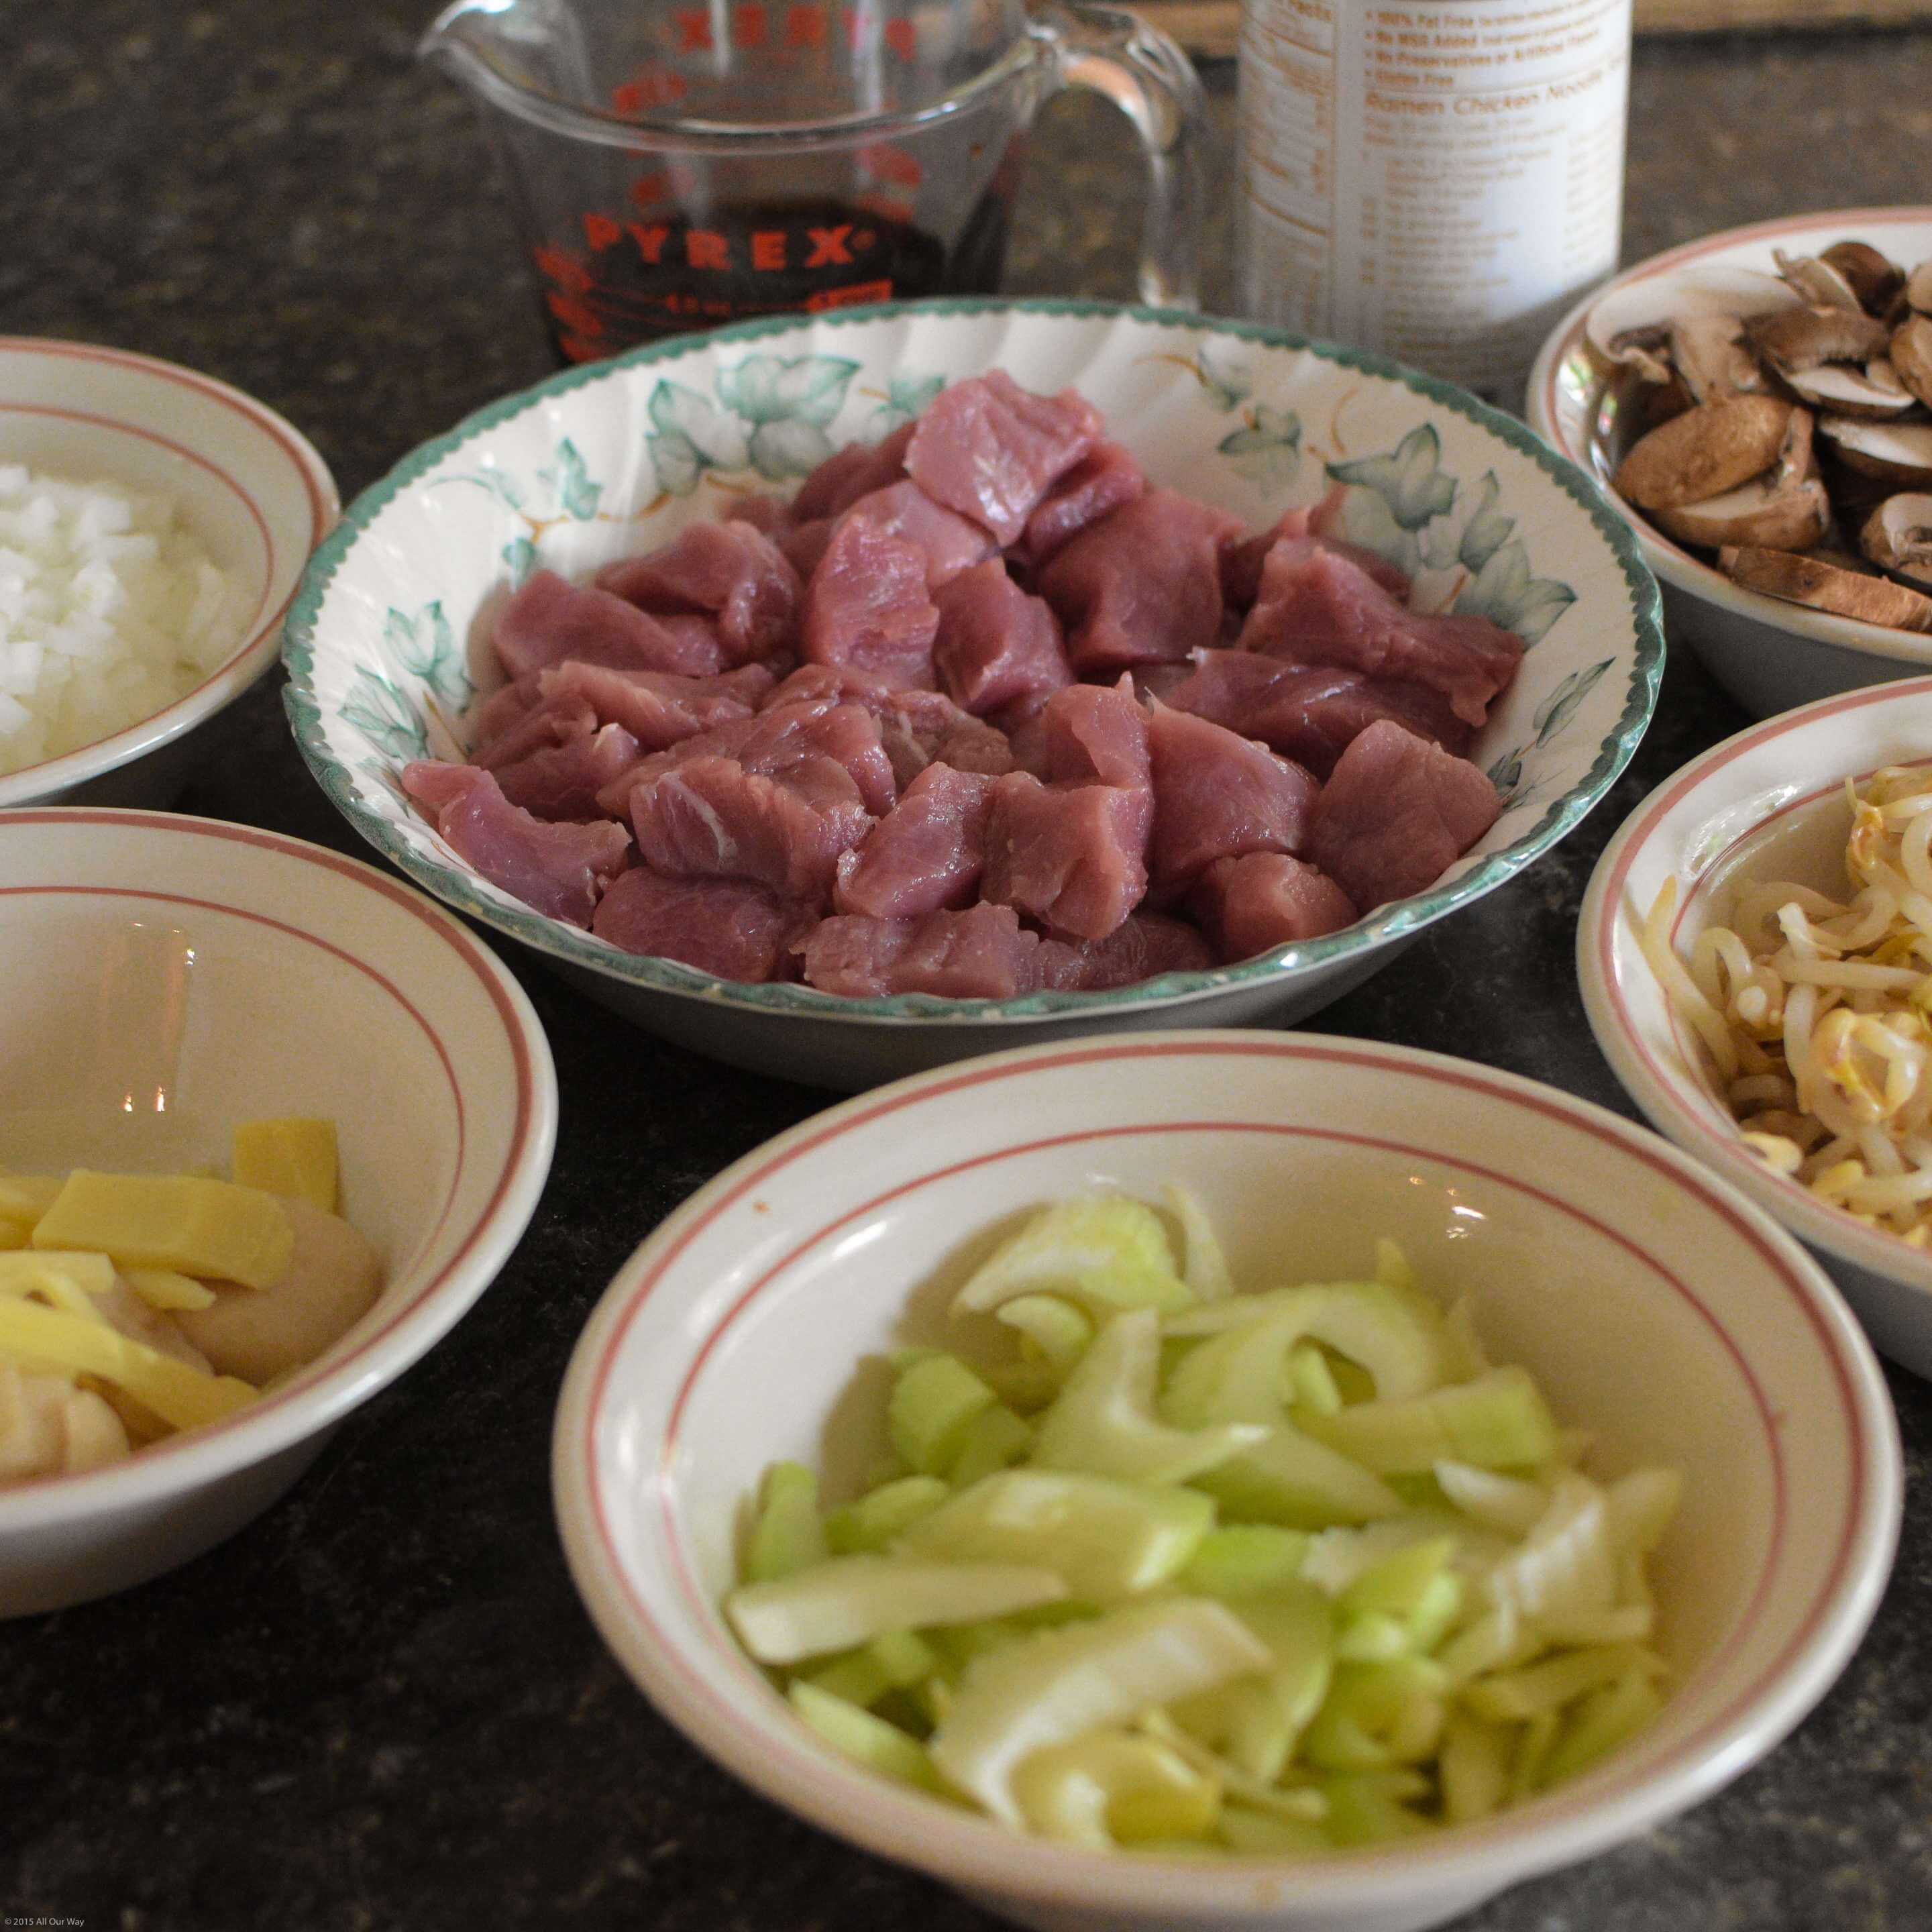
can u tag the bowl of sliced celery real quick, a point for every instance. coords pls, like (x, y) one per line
(1223, 1479)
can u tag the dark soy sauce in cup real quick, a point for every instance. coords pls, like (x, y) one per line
(664, 272)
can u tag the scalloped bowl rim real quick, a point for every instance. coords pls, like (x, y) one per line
(250, 660)
(1670, 561)
(1398, 920)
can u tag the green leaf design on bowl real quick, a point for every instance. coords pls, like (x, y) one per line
(425, 646)
(387, 719)
(1267, 449)
(1409, 479)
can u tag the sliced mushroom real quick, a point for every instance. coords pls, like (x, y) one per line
(1875, 278)
(1919, 288)
(1704, 452)
(1792, 517)
(1712, 359)
(1797, 339)
(1874, 394)
(1898, 535)
(1893, 452)
(1804, 580)
(1632, 326)
(1911, 356)
(1820, 283)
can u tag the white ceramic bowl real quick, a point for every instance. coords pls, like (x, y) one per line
(249, 485)
(167, 976)
(616, 457)
(1655, 1304)
(1769, 654)
(1766, 804)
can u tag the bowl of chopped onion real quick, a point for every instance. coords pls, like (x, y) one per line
(272, 1122)
(1174, 1479)
(154, 523)
(1753, 951)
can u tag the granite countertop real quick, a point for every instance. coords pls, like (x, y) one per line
(381, 1705)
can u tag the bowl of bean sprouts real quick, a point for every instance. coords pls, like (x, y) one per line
(1755, 953)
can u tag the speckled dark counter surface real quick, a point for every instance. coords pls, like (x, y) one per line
(381, 1706)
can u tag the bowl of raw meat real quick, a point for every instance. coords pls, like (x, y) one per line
(842, 696)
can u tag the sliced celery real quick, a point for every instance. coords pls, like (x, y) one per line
(1240, 1558)
(1309, 1386)
(788, 1534)
(1508, 1504)
(1103, 1421)
(1566, 1567)
(1289, 1478)
(1475, 1768)
(868, 1740)
(1599, 1722)
(856, 1677)
(875, 1519)
(1107, 1539)
(1377, 1715)
(1533, 1743)
(1204, 1267)
(1059, 1328)
(1394, 1334)
(933, 1405)
(1498, 1421)
(1260, 1835)
(851, 1599)
(1107, 1254)
(903, 1658)
(1056, 1685)
(1369, 1810)
(1641, 1506)
(1109, 1788)
(995, 1438)
(1516, 1696)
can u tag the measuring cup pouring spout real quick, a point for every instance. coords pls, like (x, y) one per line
(678, 163)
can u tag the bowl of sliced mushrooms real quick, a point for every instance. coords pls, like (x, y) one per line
(1758, 405)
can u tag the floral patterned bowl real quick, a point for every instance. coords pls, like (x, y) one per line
(385, 649)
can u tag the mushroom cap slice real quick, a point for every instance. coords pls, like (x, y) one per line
(1824, 586)
(1898, 536)
(1821, 282)
(1712, 359)
(1631, 324)
(1796, 339)
(1919, 288)
(1874, 277)
(1893, 452)
(1875, 393)
(1704, 452)
(1912, 355)
(1791, 516)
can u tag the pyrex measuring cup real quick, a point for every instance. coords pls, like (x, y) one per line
(678, 165)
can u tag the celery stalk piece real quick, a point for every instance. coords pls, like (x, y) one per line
(1260, 1835)
(1598, 1723)
(856, 1677)
(872, 1521)
(1464, 1360)
(1059, 1684)
(1392, 1266)
(1398, 1582)
(1508, 1504)
(932, 1407)
(1497, 1639)
(1517, 1696)
(995, 1438)
(1533, 1743)
(1103, 1423)
(1260, 1790)
(904, 1658)
(1566, 1567)
(1377, 1715)
(849, 1600)
(1309, 1386)
(1108, 1788)
(868, 1740)
(1107, 1254)
(1240, 1558)
(1372, 1638)
(1255, 1722)
(1059, 1328)
(1237, 1374)
(1204, 1267)
(788, 1534)
(1289, 1478)
(1107, 1540)
(1499, 1421)
(1366, 1809)
(1473, 1768)
(1641, 1506)
(1396, 1335)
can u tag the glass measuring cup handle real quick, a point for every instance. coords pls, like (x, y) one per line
(1117, 54)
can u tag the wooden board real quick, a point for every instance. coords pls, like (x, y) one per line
(1211, 29)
